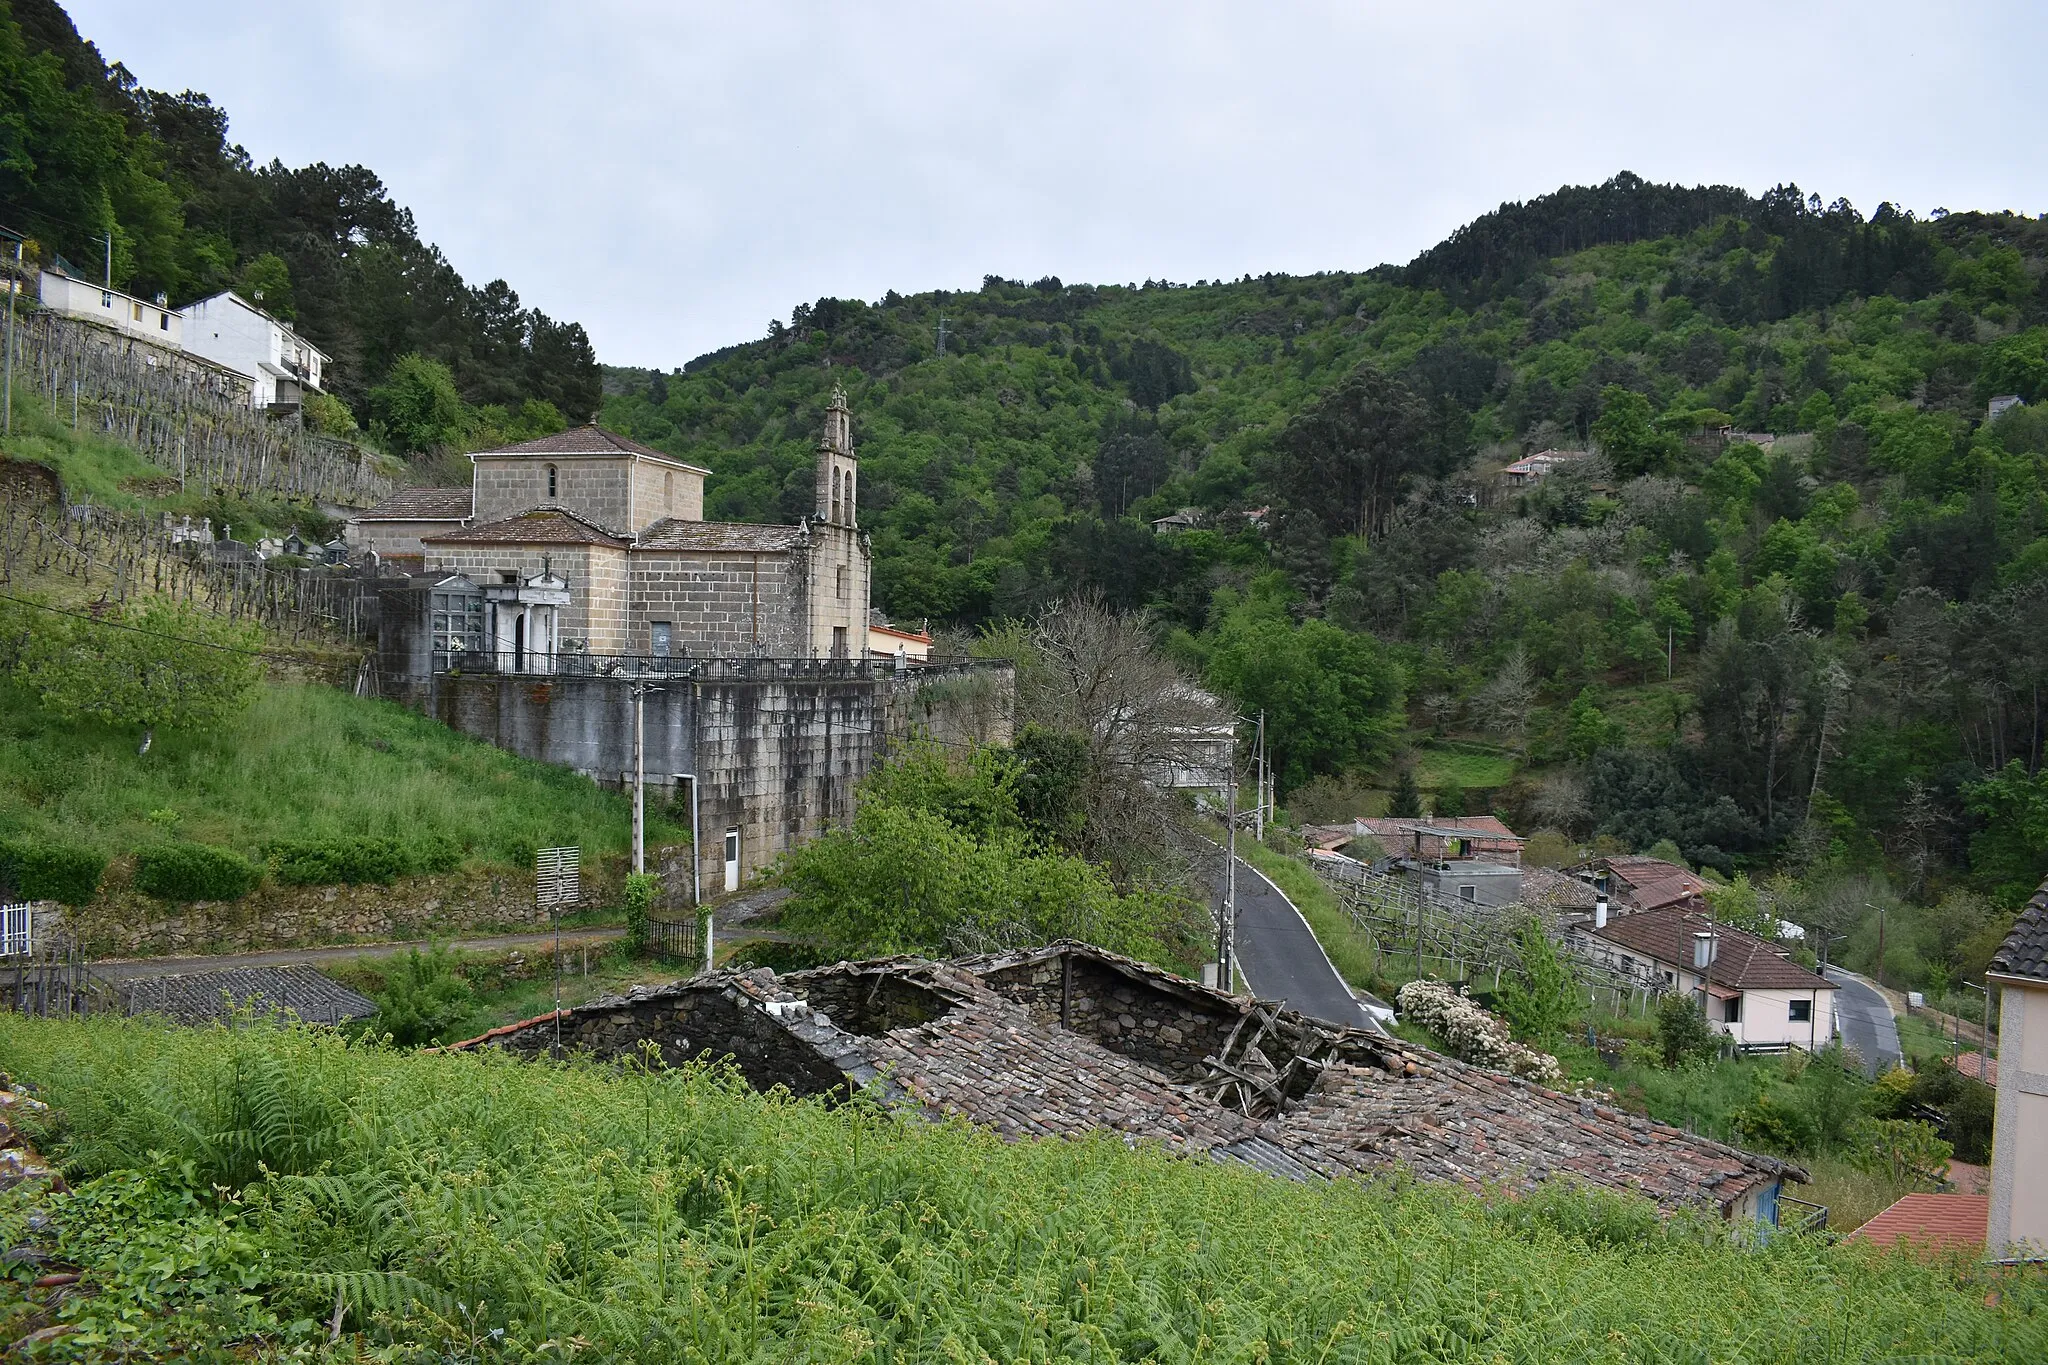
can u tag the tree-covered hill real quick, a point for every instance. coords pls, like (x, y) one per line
(85, 150)
(1850, 615)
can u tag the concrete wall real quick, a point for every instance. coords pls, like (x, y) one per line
(1767, 1018)
(777, 746)
(718, 605)
(2019, 1135)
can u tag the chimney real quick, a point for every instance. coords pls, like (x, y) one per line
(1600, 912)
(1703, 944)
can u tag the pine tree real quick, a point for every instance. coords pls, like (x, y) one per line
(1406, 801)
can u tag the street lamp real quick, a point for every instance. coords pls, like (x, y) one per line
(1881, 912)
(1826, 939)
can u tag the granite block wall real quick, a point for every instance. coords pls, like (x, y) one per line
(718, 605)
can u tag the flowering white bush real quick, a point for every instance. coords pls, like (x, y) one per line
(1471, 1033)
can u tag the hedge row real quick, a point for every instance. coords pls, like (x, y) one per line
(38, 871)
(195, 872)
(328, 862)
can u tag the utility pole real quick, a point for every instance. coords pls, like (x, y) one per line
(110, 259)
(640, 692)
(1880, 941)
(697, 866)
(942, 334)
(1226, 932)
(13, 295)
(1259, 820)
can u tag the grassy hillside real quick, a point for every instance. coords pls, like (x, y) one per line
(444, 1201)
(1825, 655)
(304, 762)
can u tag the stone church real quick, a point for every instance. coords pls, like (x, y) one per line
(585, 546)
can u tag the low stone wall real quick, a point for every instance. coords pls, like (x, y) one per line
(123, 922)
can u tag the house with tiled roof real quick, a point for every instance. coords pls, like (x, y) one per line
(1930, 1223)
(1067, 1040)
(2018, 1218)
(1750, 988)
(1636, 883)
(642, 575)
(1481, 838)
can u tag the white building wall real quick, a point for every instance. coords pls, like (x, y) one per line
(2019, 1133)
(231, 332)
(142, 319)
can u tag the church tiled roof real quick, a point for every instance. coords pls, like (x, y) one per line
(2025, 950)
(421, 504)
(673, 533)
(549, 525)
(588, 439)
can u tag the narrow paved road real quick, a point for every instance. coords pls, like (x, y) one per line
(1279, 954)
(1866, 1021)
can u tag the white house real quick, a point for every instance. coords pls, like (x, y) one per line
(1752, 989)
(149, 320)
(2018, 1221)
(279, 363)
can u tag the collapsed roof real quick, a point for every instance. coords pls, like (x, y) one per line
(1068, 1039)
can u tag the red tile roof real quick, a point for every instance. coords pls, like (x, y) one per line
(420, 504)
(1741, 962)
(541, 526)
(1651, 883)
(589, 439)
(1934, 1221)
(1976, 1066)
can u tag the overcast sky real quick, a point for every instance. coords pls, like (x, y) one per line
(673, 175)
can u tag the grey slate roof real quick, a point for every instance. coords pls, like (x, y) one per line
(2025, 950)
(673, 533)
(421, 504)
(202, 997)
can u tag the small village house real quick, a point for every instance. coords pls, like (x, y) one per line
(887, 642)
(1636, 883)
(1752, 990)
(1479, 838)
(281, 365)
(1533, 469)
(150, 320)
(2018, 1218)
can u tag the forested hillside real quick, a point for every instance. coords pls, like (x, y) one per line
(421, 358)
(1854, 618)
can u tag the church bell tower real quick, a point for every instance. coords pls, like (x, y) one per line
(837, 466)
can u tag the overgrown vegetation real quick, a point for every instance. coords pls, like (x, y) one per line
(940, 859)
(231, 1186)
(309, 773)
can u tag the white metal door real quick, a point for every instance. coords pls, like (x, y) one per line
(732, 860)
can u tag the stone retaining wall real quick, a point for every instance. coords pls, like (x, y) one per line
(123, 922)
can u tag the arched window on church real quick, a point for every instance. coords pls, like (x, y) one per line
(835, 494)
(551, 483)
(849, 497)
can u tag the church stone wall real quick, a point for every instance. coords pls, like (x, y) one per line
(719, 605)
(594, 487)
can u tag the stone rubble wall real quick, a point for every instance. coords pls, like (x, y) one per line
(1145, 1024)
(124, 922)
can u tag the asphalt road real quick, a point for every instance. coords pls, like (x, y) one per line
(1866, 1022)
(1279, 955)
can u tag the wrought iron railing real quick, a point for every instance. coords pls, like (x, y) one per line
(1814, 1219)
